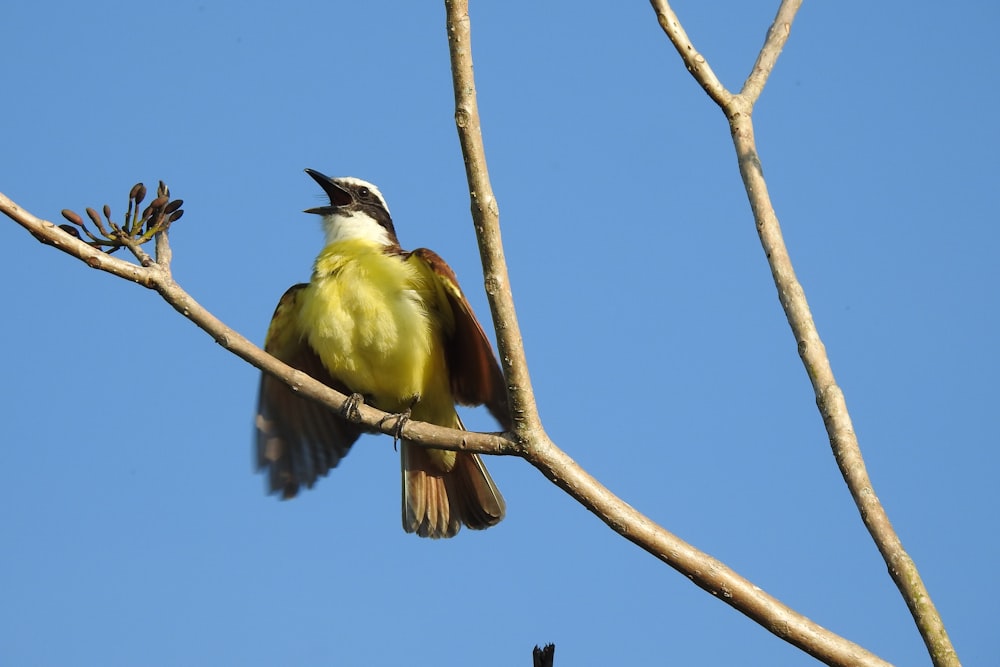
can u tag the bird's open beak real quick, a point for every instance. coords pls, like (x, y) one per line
(338, 195)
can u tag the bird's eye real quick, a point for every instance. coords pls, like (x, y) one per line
(364, 193)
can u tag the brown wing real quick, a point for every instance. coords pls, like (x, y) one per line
(298, 440)
(476, 378)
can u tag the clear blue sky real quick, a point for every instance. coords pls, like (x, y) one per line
(135, 530)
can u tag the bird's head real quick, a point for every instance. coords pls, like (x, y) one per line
(357, 210)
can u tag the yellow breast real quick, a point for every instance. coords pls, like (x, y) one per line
(367, 316)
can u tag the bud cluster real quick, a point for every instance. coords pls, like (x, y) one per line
(136, 230)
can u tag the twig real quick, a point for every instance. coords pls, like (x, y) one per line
(829, 397)
(778, 34)
(694, 61)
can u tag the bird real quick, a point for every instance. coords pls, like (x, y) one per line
(392, 328)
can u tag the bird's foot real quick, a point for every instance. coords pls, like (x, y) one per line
(350, 409)
(401, 419)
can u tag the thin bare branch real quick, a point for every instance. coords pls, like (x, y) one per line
(829, 397)
(705, 571)
(50, 234)
(486, 217)
(778, 34)
(693, 60)
(164, 254)
(832, 404)
(158, 278)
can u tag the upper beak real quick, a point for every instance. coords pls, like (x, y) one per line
(338, 195)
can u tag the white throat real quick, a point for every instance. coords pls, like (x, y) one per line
(353, 226)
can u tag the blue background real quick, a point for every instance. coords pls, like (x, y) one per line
(134, 529)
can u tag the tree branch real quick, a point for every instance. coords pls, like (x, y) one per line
(486, 218)
(829, 397)
(157, 277)
(693, 60)
(539, 450)
(777, 35)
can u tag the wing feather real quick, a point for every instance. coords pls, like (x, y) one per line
(298, 440)
(476, 378)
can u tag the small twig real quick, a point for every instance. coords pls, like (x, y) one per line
(163, 252)
(136, 249)
(778, 34)
(693, 60)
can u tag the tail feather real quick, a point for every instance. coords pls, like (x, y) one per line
(437, 502)
(470, 486)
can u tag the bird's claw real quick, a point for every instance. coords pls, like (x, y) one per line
(350, 409)
(397, 431)
(401, 419)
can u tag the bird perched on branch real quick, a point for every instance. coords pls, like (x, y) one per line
(393, 328)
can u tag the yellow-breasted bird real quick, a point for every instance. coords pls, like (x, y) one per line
(393, 327)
